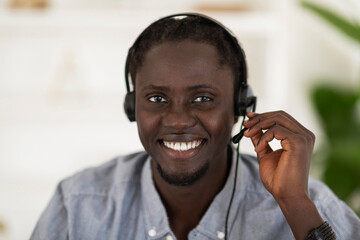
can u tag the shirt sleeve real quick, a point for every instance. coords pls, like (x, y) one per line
(53, 222)
(344, 222)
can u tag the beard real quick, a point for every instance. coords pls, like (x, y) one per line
(183, 179)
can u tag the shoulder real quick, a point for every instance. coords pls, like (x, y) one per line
(99, 198)
(250, 175)
(320, 193)
(343, 220)
(102, 179)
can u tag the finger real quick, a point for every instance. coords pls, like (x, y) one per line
(277, 114)
(251, 114)
(277, 118)
(266, 123)
(255, 139)
(289, 141)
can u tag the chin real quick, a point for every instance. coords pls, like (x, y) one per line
(183, 179)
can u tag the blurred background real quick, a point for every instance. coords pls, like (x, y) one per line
(62, 86)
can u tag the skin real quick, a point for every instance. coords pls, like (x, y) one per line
(285, 172)
(183, 94)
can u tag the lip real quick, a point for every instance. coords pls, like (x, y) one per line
(174, 154)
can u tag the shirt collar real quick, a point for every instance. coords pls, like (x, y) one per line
(213, 222)
(156, 221)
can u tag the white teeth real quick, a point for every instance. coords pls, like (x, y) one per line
(182, 146)
(177, 146)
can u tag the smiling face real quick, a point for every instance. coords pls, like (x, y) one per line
(184, 110)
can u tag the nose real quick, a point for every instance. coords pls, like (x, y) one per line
(178, 117)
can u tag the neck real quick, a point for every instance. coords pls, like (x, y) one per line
(186, 205)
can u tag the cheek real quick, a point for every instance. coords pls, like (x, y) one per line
(147, 125)
(219, 124)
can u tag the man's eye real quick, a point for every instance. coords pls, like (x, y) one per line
(156, 99)
(202, 99)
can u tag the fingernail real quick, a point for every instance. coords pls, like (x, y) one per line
(251, 114)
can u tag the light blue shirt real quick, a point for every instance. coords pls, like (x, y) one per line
(118, 200)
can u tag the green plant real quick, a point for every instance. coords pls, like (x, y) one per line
(339, 112)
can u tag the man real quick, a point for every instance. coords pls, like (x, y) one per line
(189, 78)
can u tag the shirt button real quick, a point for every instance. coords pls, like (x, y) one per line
(169, 237)
(152, 232)
(220, 235)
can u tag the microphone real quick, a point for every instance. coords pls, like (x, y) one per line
(236, 139)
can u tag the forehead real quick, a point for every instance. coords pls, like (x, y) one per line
(183, 63)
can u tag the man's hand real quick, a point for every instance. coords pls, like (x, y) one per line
(285, 172)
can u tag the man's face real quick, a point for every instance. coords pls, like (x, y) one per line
(184, 110)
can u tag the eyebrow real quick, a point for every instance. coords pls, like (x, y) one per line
(163, 88)
(200, 86)
(154, 87)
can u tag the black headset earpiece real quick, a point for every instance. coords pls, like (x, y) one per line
(129, 106)
(249, 105)
(129, 102)
(247, 101)
(242, 102)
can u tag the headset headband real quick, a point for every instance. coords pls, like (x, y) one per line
(242, 100)
(232, 38)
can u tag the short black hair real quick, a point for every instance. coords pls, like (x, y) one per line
(194, 28)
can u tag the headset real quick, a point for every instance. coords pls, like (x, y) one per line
(243, 103)
(245, 100)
